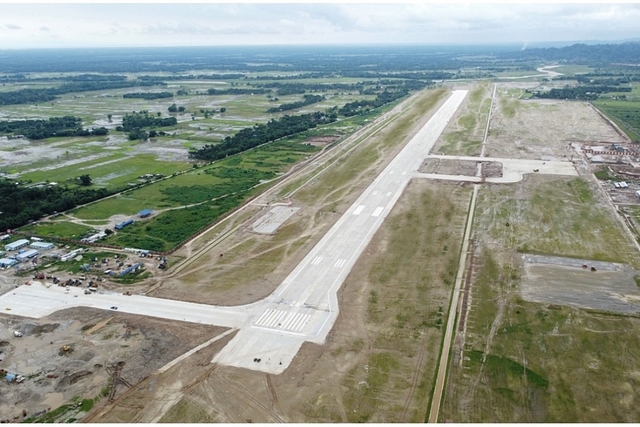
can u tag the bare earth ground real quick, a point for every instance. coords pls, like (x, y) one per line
(543, 129)
(55, 376)
(460, 167)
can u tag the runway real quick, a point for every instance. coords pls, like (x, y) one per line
(304, 307)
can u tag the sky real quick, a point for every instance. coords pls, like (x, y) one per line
(51, 25)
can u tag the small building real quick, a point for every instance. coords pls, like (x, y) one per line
(123, 224)
(145, 213)
(31, 253)
(14, 246)
(4, 237)
(624, 184)
(7, 262)
(44, 246)
(95, 237)
(638, 193)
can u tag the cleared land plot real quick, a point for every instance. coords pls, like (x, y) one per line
(523, 361)
(460, 167)
(610, 288)
(554, 216)
(272, 220)
(543, 129)
(96, 340)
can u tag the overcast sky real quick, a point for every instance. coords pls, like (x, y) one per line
(215, 24)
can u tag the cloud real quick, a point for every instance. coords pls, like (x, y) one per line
(45, 29)
(13, 26)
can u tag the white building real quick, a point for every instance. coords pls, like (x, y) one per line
(45, 246)
(14, 246)
(7, 262)
(31, 253)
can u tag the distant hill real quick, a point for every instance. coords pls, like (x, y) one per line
(628, 53)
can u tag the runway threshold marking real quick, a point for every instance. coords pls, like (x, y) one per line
(389, 193)
(378, 211)
(281, 319)
(359, 210)
(316, 260)
(340, 263)
(374, 193)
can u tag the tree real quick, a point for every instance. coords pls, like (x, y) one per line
(222, 110)
(181, 109)
(85, 180)
(109, 117)
(173, 108)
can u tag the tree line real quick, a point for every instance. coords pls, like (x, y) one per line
(262, 133)
(297, 88)
(237, 91)
(359, 107)
(134, 122)
(20, 204)
(148, 95)
(308, 100)
(54, 126)
(584, 93)
(30, 96)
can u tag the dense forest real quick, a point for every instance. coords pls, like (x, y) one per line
(54, 126)
(260, 134)
(20, 204)
(308, 100)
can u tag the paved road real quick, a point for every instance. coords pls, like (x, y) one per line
(305, 306)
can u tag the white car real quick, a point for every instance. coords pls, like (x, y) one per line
(17, 334)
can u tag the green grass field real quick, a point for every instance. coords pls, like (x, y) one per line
(626, 114)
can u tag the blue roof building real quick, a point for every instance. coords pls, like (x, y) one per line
(144, 213)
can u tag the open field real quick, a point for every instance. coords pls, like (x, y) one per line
(624, 114)
(465, 136)
(543, 129)
(538, 341)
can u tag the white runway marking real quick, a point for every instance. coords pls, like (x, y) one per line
(378, 211)
(286, 320)
(389, 193)
(374, 193)
(340, 263)
(404, 173)
(316, 260)
(359, 209)
(391, 173)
